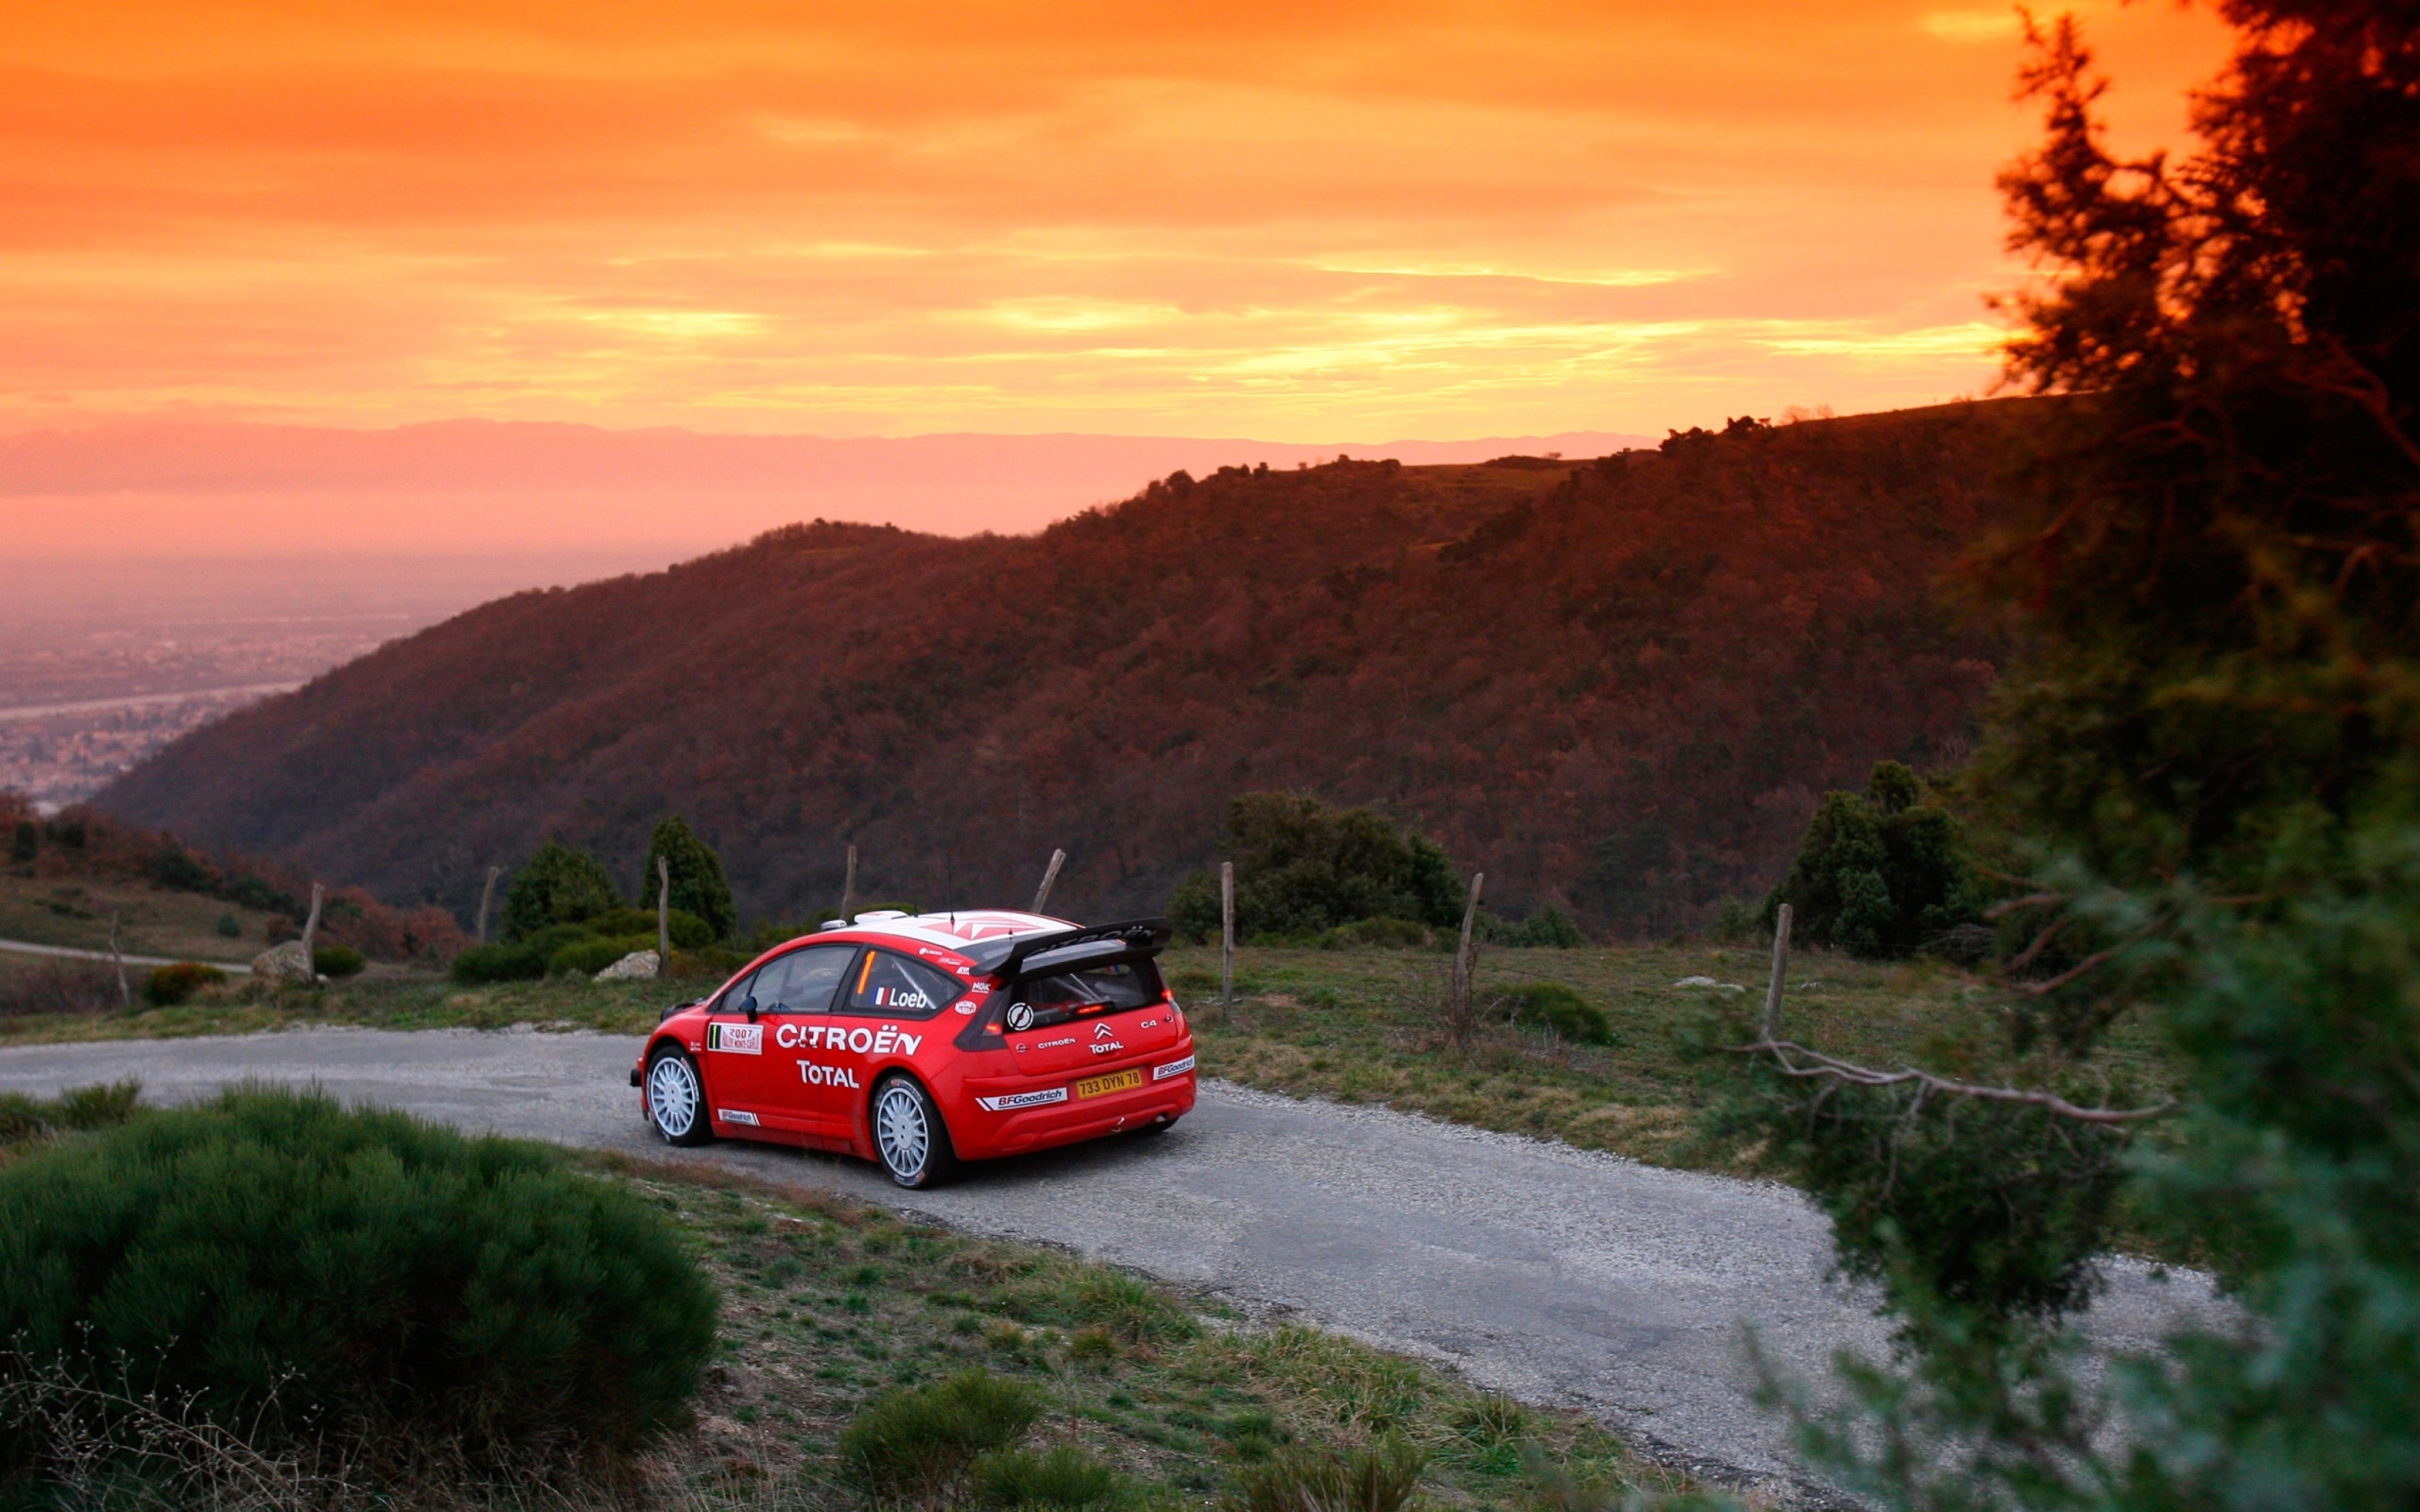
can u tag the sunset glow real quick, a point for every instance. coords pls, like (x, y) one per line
(1297, 222)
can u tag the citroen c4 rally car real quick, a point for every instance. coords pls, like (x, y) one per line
(922, 1041)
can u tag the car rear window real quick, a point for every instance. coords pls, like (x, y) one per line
(1096, 990)
(897, 988)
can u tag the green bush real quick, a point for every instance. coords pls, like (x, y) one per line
(1380, 1478)
(1395, 933)
(1303, 868)
(303, 1270)
(26, 843)
(1878, 874)
(698, 885)
(1560, 1007)
(591, 956)
(23, 1118)
(689, 932)
(498, 963)
(336, 960)
(229, 927)
(171, 985)
(560, 885)
(918, 1444)
(1065, 1477)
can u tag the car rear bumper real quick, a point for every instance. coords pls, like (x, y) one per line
(1018, 1124)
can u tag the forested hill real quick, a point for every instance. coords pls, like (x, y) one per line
(1622, 683)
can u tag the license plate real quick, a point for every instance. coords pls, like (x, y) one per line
(1115, 1082)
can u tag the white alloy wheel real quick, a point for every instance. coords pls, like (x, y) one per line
(675, 1102)
(902, 1133)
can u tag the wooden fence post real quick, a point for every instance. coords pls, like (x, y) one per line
(1226, 931)
(125, 994)
(311, 925)
(663, 916)
(1042, 894)
(1462, 1005)
(487, 895)
(1781, 964)
(849, 889)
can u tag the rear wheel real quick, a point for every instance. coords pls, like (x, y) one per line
(910, 1137)
(676, 1098)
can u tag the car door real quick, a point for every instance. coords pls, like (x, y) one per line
(769, 1077)
(884, 1012)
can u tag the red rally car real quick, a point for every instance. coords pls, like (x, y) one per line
(923, 1042)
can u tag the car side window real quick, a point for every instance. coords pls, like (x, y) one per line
(803, 981)
(734, 996)
(897, 988)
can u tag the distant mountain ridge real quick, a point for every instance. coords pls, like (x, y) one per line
(491, 487)
(1622, 684)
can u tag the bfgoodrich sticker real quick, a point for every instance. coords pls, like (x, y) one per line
(1002, 1104)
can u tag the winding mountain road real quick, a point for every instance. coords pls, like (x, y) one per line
(1556, 1275)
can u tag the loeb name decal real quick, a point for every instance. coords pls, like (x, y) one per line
(1002, 1104)
(815, 1075)
(863, 1040)
(736, 1039)
(1174, 1068)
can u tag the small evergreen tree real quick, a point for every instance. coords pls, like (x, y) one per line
(2210, 761)
(1303, 866)
(560, 885)
(1879, 872)
(698, 885)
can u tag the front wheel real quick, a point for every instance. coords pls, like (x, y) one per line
(910, 1137)
(676, 1099)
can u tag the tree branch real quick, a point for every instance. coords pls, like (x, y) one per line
(1856, 1075)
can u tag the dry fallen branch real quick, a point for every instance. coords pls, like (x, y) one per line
(1850, 1073)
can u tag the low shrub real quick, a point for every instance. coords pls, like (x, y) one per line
(1130, 1308)
(58, 987)
(23, 1118)
(689, 932)
(1395, 933)
(918, 1444)
(171, 985)
(498, 963)
(1546, 927)
(1380, 1478)
(591, 956)
(335, 961)
(1560, 1007)
(308, 1272)
(1065, 1477)
(554, 938)
(714, 963)
(1254, 1434)
(229, 927)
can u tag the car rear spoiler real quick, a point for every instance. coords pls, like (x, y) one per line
(1065, 949)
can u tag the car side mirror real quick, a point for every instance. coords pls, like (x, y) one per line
(748, 1007)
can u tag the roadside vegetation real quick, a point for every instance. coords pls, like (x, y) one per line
(787, 1350)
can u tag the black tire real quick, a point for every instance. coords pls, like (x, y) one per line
(909, 1139)
(676, 1098)
(1157, 1125)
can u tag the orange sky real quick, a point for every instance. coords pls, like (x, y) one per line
(1295, 221)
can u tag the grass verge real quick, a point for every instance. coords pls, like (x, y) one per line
(828, 1305)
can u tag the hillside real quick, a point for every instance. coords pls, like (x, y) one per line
(1622, 683)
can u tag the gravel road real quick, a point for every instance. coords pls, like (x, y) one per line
(1556, 1275)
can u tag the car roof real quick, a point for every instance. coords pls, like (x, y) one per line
(960, 929)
